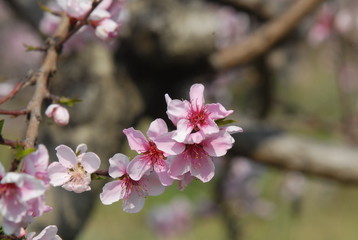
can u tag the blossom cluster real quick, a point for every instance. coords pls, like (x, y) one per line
(22, 193)
(164, 156)
(104, 19)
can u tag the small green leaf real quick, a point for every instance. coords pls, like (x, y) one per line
(21, 153)
(2, 121)
(97, 177)
(30, 48)
(224, 121)
(69, 101)
(44, 8)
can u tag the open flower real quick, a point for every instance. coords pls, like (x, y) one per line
(197, 157)
(153, 152)
(194, 116)
(73, 172)
(16, 190)
(132, 192)
(36, 164)
(49, 233)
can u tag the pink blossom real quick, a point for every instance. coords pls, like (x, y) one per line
(59, 114)
(106, 29)
(75, 8)
(73, 172)
(154, 152)
(36, 164)
(197, 156)
(16, 190)
(132, 192)
(49, 233)
(194, 115)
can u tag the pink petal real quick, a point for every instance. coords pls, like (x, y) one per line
(82, 148)
(184, 128)
(31, 187)
(136, 140)
(209, 127)
(138, 167)
(218, 144)
(167, 98)
(232, 129)
(36, 161)
(49, 233)
(78, 187)
(169, 146)
(203, 168)
(58, 174)
(157, 128)
(12, 209)
(217, 111)
(2, 170)
(90, 162)
(118, 165)
(112, 192)
(185, 181)
(66, 156)
(10, 227)
(134, 203)
(177, 110)
(165, 179)
(152, 185)
(197, 96)
(180, 165)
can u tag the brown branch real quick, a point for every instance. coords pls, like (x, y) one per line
(10, 143)
(14, 113)
(264, 38)
(47, 69)
(334, 162)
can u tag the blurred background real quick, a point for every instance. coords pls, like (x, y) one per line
(291, 175)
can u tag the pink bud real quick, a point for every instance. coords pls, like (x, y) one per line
(59, 114)
(106, 29)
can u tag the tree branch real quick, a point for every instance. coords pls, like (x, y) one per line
(268, 146)
(264, 38)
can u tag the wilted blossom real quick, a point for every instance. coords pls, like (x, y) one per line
(17, 190)
(59, 114)
(73, 171)
(132, 192)
(195, 117)
(197, 156)
(48, 233)
(153, 152)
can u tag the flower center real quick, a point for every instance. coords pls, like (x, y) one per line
(155, 155)
(78, 174)
(197, 116)
(129, 185)
(7, 189)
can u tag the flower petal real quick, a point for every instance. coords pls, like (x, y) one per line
(180, 165)
(118, 165)
(58, 174)
(168, 145)
(165, 179)
(203, 168)
(217, 145)
(184, 128)
(48, 233)
(66, 156)
(232, 129)
(157, 128)
(177, 110)
(81, 148)
(112, 192)
(136, 140)
(90, 162)
(134, 203)
(152, 185)
(209, 127)
(138, 167)
(197, 96)
(217, 111)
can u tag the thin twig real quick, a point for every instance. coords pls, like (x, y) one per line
(14, 113)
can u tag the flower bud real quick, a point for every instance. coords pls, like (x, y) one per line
(106, 29)
(59, 114)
